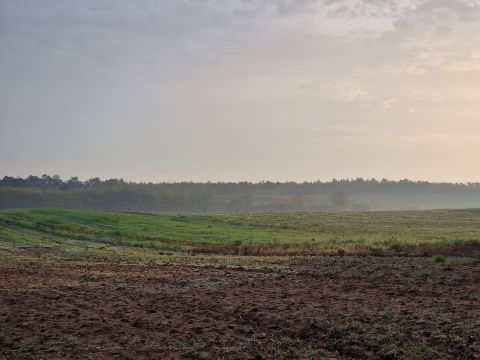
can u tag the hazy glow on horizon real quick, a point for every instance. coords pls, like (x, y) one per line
(241, 89)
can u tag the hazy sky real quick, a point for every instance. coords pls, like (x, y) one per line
(240, 89)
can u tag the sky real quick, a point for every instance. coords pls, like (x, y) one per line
(232, 90)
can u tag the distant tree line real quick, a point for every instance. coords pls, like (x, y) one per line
(117, 194)
(350, 186)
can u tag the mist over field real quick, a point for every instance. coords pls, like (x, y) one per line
(189, 197)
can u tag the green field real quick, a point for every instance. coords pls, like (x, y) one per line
(386, 285)
(449, 232)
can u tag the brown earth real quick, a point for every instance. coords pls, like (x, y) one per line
(307, 308)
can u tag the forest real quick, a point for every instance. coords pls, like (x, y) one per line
(345, 194)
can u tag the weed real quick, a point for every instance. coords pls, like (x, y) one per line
(71, 342)
(352, 274)
(24, 346)
(384, 340)
(188, 340)
(386, 312)
(420, 352)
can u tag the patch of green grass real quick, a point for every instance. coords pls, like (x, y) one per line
(420, 352)
(381, 335)
(440, 232)
(439, 258)
(352, 274)
(142, 230)
(386, 312)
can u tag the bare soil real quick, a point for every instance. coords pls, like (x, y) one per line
(307, 308)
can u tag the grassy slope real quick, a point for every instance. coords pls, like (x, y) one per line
(272, 233)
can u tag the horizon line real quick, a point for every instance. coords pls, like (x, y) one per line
(254, 182)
